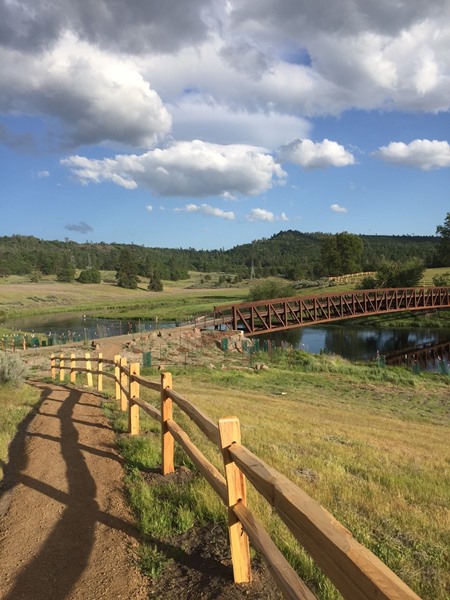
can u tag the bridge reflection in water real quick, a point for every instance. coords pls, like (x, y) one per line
(287, 313)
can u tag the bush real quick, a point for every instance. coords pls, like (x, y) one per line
(442, 280)
(391, 274)
(90, 276)
(270, 288)
(307, 283)
(12, 368)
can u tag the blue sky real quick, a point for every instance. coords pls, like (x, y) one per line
(211, 123)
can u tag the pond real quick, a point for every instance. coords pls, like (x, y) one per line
(76, 327)
(355, 342)
(348, 340)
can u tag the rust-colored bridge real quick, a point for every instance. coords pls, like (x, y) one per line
(286, 313)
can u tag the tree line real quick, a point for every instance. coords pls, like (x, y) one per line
(291, 254)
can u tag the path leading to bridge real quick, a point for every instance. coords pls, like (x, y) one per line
(65, 529)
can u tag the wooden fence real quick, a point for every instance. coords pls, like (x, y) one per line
(355, 571)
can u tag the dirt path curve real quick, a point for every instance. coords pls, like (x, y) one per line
(65, 529)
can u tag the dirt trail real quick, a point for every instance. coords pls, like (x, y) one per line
(65, 529)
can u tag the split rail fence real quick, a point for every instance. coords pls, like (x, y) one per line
(355, 571)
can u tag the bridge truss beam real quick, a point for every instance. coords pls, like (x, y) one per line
(287, 313)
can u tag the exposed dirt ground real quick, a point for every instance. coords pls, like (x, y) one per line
(66, 531)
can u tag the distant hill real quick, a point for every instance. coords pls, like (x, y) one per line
(292, 254)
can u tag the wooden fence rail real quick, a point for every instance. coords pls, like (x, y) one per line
(355, 571)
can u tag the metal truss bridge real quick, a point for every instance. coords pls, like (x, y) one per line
(287, 313)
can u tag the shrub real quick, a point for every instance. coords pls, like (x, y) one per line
(90, 276)
(270, 288)
(441, 280)
(12, 368)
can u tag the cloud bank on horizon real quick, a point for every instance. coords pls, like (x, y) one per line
(223, 100)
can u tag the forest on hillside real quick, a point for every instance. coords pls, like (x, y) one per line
(290, 254)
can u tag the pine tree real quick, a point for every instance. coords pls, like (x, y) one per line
(126, 274)
(444, 246)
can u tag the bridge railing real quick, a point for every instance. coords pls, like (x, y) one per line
(297, 311)
(355, 571)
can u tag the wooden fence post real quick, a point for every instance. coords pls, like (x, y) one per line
(124, 385)
(230, 433)
(133, 409)
(53, 366)
(167, 441)
(89, 368)
(117, 375)
(100, 372)
(61, 367)
(73, 373)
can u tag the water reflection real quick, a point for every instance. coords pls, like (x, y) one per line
(356, 343)
(73, 327)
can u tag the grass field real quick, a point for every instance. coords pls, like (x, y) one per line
(370, 445)
(179, 300)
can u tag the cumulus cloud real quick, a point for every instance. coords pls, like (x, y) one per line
(186, 169)
(80, 227)
(218, 123)
(133, 27)
(149, 208)
(338, 208)
(96, 97)
(208, 211)
(422, 154)
(113, 71)
(261, 214)
(316, 155)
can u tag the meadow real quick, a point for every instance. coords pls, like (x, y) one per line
(179, 300)
(370, 444)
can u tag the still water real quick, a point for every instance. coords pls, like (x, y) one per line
(349, 341)
(356, 343)
(73, 327)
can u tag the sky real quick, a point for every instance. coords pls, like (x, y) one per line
(212, 123)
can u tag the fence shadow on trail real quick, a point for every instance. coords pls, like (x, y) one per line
(355, 571)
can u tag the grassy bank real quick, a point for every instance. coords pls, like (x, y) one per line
(370, 444)
(16, 402)
(107, 300)
(180, 300)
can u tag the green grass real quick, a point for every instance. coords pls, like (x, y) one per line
(180, 300)
(370, 444)
(16, 401)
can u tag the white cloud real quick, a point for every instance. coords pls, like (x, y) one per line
(186, 169)
(261, 214)
(316, 155)
(149, 208)
(338, 208)
(219, 123)
(422, 154)
(95, 96)
(208, 211)
(43, 174)
(229, 72)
